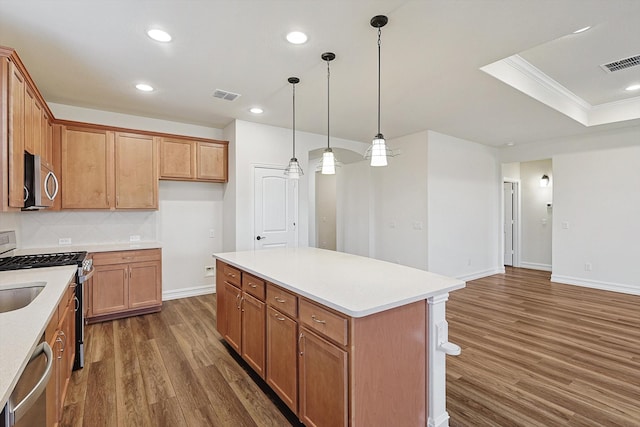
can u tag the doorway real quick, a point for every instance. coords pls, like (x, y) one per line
(275, 209)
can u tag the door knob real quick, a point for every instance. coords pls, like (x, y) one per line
(261, 237)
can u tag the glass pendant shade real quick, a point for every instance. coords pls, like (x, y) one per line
(328, 162)
(378, 151)
(293, 170)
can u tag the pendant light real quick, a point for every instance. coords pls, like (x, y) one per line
(294, 171)
(328, 163)
(378, 150)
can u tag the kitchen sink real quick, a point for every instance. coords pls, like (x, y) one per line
(19, 295)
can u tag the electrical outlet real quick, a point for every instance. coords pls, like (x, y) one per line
(134, 238)
(212, 233)
(209, 270)
(64, 241)
(587, 266)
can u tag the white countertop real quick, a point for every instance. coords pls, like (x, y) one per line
(20, 330)
(91, 248)
(351, 284)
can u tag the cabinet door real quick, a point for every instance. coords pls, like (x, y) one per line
(212, 161)
(323, 381)
(281, 357)
(109, 292)
(47, 141)
(32, 122)
(136, 178)
(177, 159)
(87, 168)
(253, 332)
(16, 136)
(233, 332)
(144, 284)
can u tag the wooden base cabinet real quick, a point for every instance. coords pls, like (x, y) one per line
(60, 335)
(332, 369)
(125, 283)
(324, 381)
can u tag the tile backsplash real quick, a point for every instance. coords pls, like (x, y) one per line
(44, 229)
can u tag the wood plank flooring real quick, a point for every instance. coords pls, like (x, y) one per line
(534, 354)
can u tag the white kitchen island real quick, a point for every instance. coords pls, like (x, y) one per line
(380, 325)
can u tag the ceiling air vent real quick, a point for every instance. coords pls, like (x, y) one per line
(621, 64)
(224, 94)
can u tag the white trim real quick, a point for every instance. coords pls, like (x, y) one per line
(595, 284)
(188, 292)
(535, 266)
(481, 274)
(525, 77)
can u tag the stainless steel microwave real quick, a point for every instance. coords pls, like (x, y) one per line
(40, 183)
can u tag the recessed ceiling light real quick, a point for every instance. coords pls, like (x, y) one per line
(632, 87)
(144, 87)
(256, 110)
(510, 144)
(159, 35)
(582, 30)
(296, 37)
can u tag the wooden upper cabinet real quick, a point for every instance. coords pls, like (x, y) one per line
(16, 134)
(177, 159)
(212, 161)
(193, 160)
(46, 149)
(87, 168)
(136, 175)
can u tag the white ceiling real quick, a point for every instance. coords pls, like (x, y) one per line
(91, 53)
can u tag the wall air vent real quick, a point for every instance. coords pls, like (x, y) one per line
(621, 64)
(225, 94)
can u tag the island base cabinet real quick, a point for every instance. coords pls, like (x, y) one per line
(282, 372)
(253, 332)
(232, 329)
(323, 382)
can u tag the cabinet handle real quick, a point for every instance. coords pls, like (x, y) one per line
(60, 350)
(253, 285)
(280, 300)
(231, 275)
(278, 317)
(300, 343)
(238, 301)
(315, 319)
(241, 301)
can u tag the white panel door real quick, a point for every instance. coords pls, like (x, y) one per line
(276, 209)
(508, 222)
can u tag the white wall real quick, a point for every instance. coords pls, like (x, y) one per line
(464, 188)
(326, 210)
(354, 209)
(400, 204)
(596, 209)
(262, 145)
(188, 212)
(536, 217)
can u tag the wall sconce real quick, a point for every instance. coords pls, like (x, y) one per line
(544, 181)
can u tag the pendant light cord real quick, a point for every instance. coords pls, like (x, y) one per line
(294, 120)
(328, 115)
(379, 33)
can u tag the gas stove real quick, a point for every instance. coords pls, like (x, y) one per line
(21, 262)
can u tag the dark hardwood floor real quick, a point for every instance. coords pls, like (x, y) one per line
(534, 354)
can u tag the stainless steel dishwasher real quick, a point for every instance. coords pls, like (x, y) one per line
(27, 404)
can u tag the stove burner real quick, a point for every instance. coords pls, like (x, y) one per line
(42, 260)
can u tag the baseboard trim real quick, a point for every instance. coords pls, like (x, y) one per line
(535, 266)
(481, 274)
(188, 292)
(604, 286)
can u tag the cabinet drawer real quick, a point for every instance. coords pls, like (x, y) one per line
(282, 300)
(326, 322)
(231, 275)
(124, 257)
(254, 286)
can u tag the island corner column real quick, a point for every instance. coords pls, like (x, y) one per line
(438, 346)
